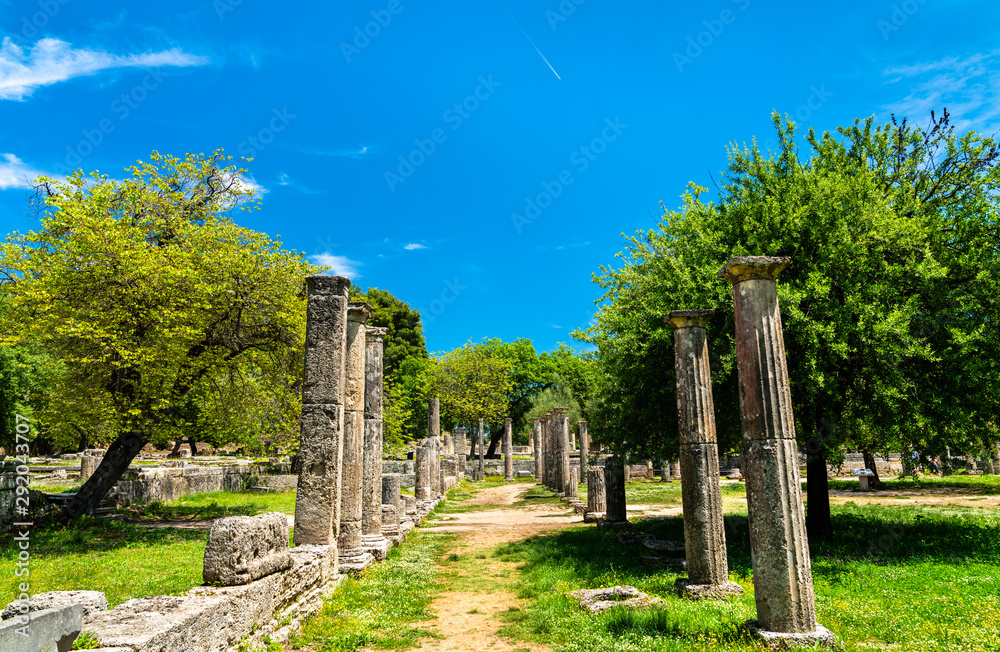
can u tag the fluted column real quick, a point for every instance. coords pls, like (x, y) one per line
(422, 488)
(317, 501)
(461, 449)
(437, 446)
(562, 432)
(584, 450)
(614, 488)
(352, 555)
(508, 452)
(704, 528)
(481, 471)
(782, 574)
(536, 439)
(596, 497)
(372, 539)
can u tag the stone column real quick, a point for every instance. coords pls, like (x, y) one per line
(434, 418)
(573, 486)
(782, 573)
(584, 449)
(562, 432)
(422, 472)
(596, 497)
(391, 495)
(704, 528)
(614, 488)
(553, 448)
(352, 555)
(434, 436)
(372, 539)
(995, 455)
(508, 452)
(536, 438)
(449, 445)
(317, 501)
(665, 472)
(675, 470)
(461, 449)
(481, 471)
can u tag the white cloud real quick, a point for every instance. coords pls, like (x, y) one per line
(51, 61)
(288, 182)
(15, 173)
(339, 265)
(968, 87)
(360, 152)
(414, 245)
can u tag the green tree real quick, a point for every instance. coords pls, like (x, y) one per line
(889, 304)
(146, 291)
(473, 382)
(405, 337)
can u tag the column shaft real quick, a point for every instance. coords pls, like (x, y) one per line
(508, 452)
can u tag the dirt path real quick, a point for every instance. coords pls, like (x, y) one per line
(466, 618)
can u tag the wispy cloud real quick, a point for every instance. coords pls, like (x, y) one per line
(969, 87)
(360, 152)
(15, 173)
(414, 245)
(555, 326)
(287, 182)
(51, 61)
(339, 265)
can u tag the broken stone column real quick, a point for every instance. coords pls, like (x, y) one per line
(481, 470)
(675, 470)
(372, 539)
(434, 435)
(89, 464)
(391, 496)
(242, 549)
(573, 486)
(317, 501)
(596, 493)
(584, 449)
(562, 435)
(422, 473)
(508, 452)
(665, 472)
(352, 554)
(614, 490)
(461, 449)
(536, 439)
(704, 528)
(434, 418)
(449, 445)
(782, 573)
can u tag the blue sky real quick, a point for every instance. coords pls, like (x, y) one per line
(480, 160)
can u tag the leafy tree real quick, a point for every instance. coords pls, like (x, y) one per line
(405, 338)
(473, 382)
(889, 306)
(147, 292)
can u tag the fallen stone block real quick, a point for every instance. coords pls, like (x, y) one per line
(596, 601)
(242, 549)
(91, 601)
(665, 548)
(49, 629)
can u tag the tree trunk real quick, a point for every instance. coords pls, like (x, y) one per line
(494, 441)
(120, 454)
(614, 487)
(873, 481)
(818, 522)
(193, 442)
(177, 447)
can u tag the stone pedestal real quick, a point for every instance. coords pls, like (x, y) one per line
(782, 574)
(317, 501)
(704, 528)
(508, 452)
(352, 555)
(372, 538)
(596, 496)
(614, 483)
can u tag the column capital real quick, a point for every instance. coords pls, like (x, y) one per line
(375, 333)
(690, 318)
(358, 311)
(745, 268)
(507, 420)
(560, 410)
(327, 284)
(537, 419)
(460, 431)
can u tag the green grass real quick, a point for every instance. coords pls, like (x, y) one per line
(216, 504)
(122, 560)
(377, 610)
(977, 484)
(900, 577)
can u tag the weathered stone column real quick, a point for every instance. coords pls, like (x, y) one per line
(536, 438)
(508, 452)
(317, 501)
(562, 432)
(393, 507)
(422, 489)
(555, 484)
(704, 528)
(434, 436)
(352, 555)
(665, 472)
(449, 445)
(584, 449)
(391, 495)
(614, 489)
(675, 470)
(481, 471)
(782, 573)
(573, 486)
(597, 503)
(434, 418)
(461, 449)
(372, 539)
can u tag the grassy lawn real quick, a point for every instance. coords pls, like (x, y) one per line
(214, 504)
(977, 484)
(901, 578)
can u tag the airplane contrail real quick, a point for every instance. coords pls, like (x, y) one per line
(534, 46)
